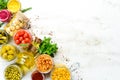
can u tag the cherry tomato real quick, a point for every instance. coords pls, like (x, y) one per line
(23, 42)
(21, 32)
(26, 35)
(16, 38)
(17, 35)
(27, 40)
(20, 38)
(17, 41)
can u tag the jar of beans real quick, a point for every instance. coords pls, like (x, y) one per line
(44, 63)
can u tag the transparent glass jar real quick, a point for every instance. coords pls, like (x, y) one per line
(19, 21)
(26, 61)
(60, 72)
(8, 52)
(44, 63)
(13, 72)
(3, 37)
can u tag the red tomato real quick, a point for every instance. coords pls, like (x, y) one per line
(21, 32)
(27, 40)
(16, 38)
(17, 41)
(23, 42)
(26, 35)
(17, 35)
(20, 38)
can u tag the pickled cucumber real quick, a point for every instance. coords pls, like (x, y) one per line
(3, 37)
(26, 59)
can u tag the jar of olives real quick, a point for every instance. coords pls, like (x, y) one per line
(13, 72)
(8, 52)
(26, 60)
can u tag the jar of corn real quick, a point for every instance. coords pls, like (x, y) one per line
(60, 72)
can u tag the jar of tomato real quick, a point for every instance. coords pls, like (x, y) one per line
(22, 37)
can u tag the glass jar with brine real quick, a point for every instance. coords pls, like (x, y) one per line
(26, 61)
(13, 72)
(8, 52)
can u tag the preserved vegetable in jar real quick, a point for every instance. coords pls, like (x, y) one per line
(3, 37)
(13, 72)
(8, 52)
(60, 72)
(19, 21)
(26, 60)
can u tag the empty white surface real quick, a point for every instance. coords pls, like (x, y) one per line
(86, 31)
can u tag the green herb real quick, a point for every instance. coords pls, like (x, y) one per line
(1, 24)
(3, 4)
(23, 44)
(47, 47)
(27, 9)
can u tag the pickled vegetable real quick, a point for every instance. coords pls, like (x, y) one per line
(26, 59)
(5, 15)
(8, 52)
(13, 72)
(19, 21)
(3, 37)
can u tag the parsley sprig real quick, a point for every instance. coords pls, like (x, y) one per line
(3, 4)
(47, 47)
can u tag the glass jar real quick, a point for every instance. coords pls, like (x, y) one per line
(3, 37)
(60, 72)
(19, 21)
(26, 61)
(44, 63)
(16, 7)
(13, 72)
(8, 52)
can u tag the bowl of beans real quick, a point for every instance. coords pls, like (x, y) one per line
(44, 63)
(60, 72)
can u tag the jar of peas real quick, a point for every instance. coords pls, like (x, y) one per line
(13, 72)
